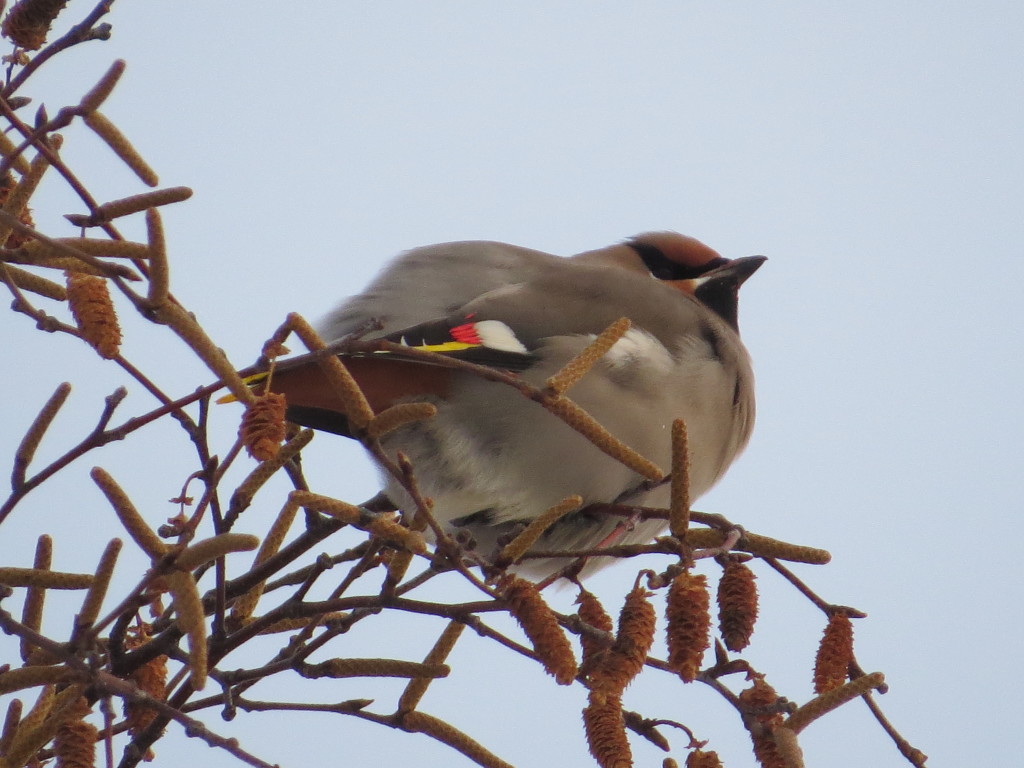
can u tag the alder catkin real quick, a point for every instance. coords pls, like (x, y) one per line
(93, 310)
(593, 613)
(606, 732)
(74, 744)
(737, 605)
(263, 428)
(540, 625)
(761, 696)
(701, 759)
(688, 623)
(151, 678)
(29, 21)
(633, 641)
(835, 652)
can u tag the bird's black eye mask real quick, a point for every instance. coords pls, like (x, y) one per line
(664, 268)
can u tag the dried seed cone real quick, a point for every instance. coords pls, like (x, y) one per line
(606, 732)
(151, 678)
(688, 623)
(75, 742)
(757, 696)
(94, 313)
(701, 759)
(16, 239)
(29, 21)
(766, 751)
(541, 626)
(737, 605)
(591, 611)
(263, 430)
(636, 625)
(834, 654)
(633, 641)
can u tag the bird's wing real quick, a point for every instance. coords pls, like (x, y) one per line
(487, 342)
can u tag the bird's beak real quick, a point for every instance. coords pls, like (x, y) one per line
(734, 274)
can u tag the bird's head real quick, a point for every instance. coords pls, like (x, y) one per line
(685, 263)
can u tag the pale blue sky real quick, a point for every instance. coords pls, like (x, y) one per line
(872, 152)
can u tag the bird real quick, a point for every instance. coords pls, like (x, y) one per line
(492, 460)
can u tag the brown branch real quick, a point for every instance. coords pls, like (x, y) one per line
(105, 683)
(913, 755)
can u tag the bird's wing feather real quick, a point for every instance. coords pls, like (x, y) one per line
(485, 342)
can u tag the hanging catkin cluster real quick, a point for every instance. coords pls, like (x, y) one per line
(541, 626)
(93, 311)
(689, 622)
(17, 238)
(593, 613)
(611, 670)
(74, 744)
(29, 21)
(737, 605)
(835, 653)
(151, 678)
(698, 758)
(606, 733)
(263, 426)
(761, 699)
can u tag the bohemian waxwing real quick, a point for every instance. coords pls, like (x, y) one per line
(491, 459)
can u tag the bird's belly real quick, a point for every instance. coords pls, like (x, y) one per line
(495, 459)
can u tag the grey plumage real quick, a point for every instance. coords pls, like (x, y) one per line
(491, 458)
